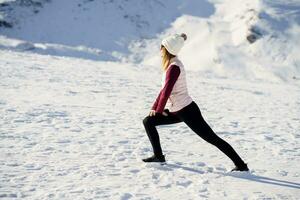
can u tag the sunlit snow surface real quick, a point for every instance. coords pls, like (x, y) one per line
(72, 129)
(76, 83)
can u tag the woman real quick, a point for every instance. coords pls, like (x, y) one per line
(174, 105)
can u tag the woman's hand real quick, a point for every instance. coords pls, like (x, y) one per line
(152, 113)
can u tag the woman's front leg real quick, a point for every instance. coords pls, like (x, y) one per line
(150, 123)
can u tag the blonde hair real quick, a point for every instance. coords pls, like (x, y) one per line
(166, 57)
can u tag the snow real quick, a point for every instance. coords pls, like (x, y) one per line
(218, 45)
(108, 26)
(130, 31)
(72, 107)
(72, 128)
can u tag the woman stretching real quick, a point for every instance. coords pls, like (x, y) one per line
(174, 105)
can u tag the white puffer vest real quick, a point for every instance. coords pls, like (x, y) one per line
(179, 97)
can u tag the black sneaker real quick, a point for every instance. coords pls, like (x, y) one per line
(241, 168)
(155, 158)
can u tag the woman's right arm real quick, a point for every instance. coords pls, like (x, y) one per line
(156, 101)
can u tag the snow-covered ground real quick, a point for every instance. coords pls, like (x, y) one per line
(78, 77)
(72, 129)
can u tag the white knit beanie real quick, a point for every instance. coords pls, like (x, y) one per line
(174, 43)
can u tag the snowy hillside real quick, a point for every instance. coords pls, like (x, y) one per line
(98, 29)
(257, 41)
(254, 42)
(77, 77)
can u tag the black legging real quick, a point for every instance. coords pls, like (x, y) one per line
(191, 115)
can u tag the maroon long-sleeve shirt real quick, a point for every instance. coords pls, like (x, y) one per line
(172, 75)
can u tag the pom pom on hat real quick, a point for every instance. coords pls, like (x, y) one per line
(174, 43)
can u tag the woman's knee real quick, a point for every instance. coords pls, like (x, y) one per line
(147, 120)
